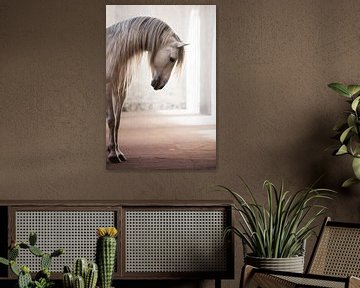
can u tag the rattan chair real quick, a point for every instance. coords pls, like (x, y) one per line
(334, 263)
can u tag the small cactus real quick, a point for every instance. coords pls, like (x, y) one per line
(79, 282)
(14, 268)
(84, 274)
(36, 251)
(80, 268)
(32, 238)
(91, 276)
(67, 269)
(45, 261)
(106, 254)
(57, 252)
(24, 278)
(24, 245)
(13, 253)
(68, 280)
(44, 273)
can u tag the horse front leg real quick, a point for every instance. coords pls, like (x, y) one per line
(117, 110)
(110, 120)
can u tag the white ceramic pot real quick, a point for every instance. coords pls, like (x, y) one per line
(291, 264)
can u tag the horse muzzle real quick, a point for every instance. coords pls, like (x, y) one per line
(157, 84)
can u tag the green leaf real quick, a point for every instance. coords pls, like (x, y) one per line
(340, 88)
(355, 103)
(351, 120)
(356, 167)
(345, 134)
(4, 261)
(354, 145)
(353, 89)
(342, 150)
(349, 182)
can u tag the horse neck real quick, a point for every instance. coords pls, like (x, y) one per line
(147, 34)
(141, 42)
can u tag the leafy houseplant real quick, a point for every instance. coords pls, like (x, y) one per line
(349, 132)
(42, 278)
(279, 229)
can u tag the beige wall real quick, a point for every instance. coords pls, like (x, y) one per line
(275, 113)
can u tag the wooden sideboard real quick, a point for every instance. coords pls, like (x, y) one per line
(157, 240)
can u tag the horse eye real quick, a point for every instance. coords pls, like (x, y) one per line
(172, 59)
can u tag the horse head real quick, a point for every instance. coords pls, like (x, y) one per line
(164, 61)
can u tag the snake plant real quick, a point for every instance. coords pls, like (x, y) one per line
(348, 132)
(279, 228)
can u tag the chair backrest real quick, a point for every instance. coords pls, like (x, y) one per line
(337, 251)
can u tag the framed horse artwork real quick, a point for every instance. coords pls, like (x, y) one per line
(161, 109)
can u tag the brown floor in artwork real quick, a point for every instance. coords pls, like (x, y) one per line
(163, 141)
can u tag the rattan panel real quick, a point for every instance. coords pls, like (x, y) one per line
(75, 231)
(313, 282)
(175, 241)
(338, 253)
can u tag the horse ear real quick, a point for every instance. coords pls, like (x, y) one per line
(181, 44)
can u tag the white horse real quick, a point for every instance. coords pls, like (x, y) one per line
(125, 43)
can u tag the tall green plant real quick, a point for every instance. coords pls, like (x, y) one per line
(279, 229)
(348, 132)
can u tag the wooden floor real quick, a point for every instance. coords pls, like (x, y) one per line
(163, 141)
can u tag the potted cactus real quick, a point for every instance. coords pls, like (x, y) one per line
(106, 254)
(42, 278)
(84, 275)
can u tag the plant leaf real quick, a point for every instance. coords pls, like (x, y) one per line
(355, 103)
(353, 89)
(349, 182)
(345, 134)
(342, 150)
(351, 120)
(354, 144)
(356, 167)
(340, 88)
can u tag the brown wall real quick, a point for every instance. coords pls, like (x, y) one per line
(275, 113)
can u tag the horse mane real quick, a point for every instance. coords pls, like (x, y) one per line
(127, 40)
